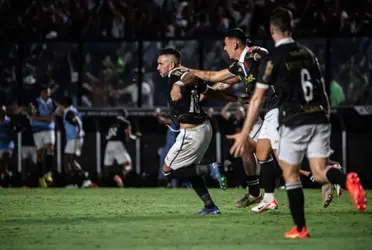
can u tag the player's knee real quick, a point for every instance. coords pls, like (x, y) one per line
(262, 155)
(319, 175)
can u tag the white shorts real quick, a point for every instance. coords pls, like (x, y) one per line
(74, 146)
(190, 146)
(2, 151)
(29, 152)
(44, 137)
(115, 150)
(269, 129)
(314, 140)
(256, 130)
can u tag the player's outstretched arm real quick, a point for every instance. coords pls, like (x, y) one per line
(220, 95)
(211, 76)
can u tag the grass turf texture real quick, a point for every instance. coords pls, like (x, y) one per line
(163, 219)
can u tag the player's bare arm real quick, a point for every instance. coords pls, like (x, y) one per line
(223, 85)
(211, 76)
(252, 116)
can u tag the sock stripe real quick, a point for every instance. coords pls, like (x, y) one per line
(312, 178)
(291, 186)
(251, 183)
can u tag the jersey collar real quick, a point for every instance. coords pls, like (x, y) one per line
(284, 41)
(170, 72)
(242, 56)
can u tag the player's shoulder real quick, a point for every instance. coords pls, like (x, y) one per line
(177, 72)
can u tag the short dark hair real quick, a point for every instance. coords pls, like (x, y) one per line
(44, 87)
(282, 19)
(171, 51)
(240, 35)
(66, 101)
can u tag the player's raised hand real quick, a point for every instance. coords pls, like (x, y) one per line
(237, 148)
(176, 93)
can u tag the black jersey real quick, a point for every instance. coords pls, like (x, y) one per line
(246, 69)
(22, 123)
(117, 131)
(294, 72)
(188, 109)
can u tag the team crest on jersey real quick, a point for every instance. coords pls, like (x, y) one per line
(178, 73)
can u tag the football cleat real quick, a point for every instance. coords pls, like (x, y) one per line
(248, 200)
(215, 173)
(327, 194)
(356, 191)
(265, 206)
(295, 234)
(212, 211)
(118, 181)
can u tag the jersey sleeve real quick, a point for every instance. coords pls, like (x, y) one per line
(177, 75)
(265, 72)
(234, 68)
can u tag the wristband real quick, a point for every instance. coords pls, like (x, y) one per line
(179, 83)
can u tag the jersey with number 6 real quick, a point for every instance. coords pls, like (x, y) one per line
(188, 109)
(294, 72)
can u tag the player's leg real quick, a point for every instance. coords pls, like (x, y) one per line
(109, 160)
(269, 174)
(292, 147)
(26, 155)
(250, 168)
(49, 141)
(318, 153)
(182, 162)
(38, 139)
(125, 163)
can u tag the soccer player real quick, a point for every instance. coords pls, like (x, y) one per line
(44, 137)
(303, 119)
(6, 146)
(243, 69)
(184, 157)
(74, 134)
(117, 138)
(22, 123)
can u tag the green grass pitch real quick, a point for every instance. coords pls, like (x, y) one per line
(163, 219)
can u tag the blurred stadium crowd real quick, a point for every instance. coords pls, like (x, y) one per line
(101, 72)
(174, 18)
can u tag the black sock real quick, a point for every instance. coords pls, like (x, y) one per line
(191, 171)
(40, 167)
(311, 177)
(335, 176)
(268, 175)
(296, 203)
(201, 190)
(49, 163)
(253, 185)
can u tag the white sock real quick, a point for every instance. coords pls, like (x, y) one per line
(268, 197)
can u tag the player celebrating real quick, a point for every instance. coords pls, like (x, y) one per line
(182, 160)
(303, 118)
(43, 128)
(243, 69)
(74, 143)
(117, 139)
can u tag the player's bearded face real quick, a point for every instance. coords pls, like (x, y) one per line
(164, 65)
